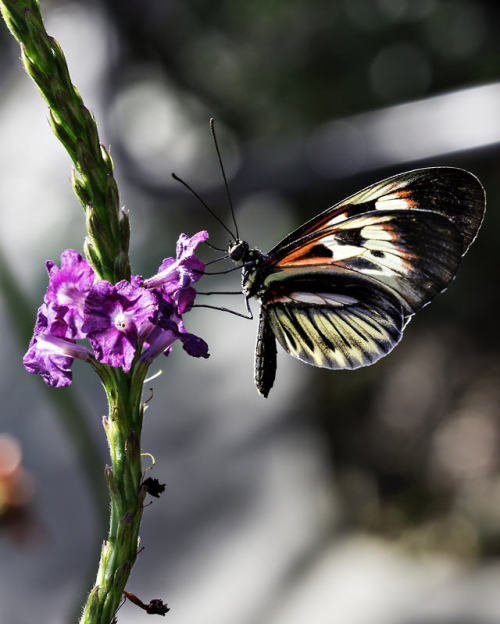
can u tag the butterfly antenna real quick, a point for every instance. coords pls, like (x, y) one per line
(204, 203)
(226, 185)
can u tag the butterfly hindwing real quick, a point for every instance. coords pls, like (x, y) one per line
(341, 322)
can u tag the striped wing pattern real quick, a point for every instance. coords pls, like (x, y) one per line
(339, 322)
(349, 335)
(337, 292)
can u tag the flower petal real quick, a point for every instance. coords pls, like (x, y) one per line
(114, 318)
(67, 290)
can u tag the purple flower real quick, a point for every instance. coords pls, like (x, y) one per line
(183, 271)
(49, 354)
(185, 299)
(194, 345)
(115, 319)
(160, 341)
(68, 287)
(59, 321)
(172, 286)
(168, 327)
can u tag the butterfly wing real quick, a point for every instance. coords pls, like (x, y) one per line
(408, 232)
(338, 291)
(455, 193)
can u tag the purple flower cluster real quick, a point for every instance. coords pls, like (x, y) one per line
(120, 321)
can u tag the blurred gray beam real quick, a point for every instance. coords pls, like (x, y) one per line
(425, 131)
(430, 128)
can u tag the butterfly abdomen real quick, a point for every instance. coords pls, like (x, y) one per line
(265, 357)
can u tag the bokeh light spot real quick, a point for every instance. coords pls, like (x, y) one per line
(10, 455)
(163, 129)
(400, 72)
(458, 29)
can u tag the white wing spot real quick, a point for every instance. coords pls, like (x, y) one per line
(393, 201)
(372, 232)
(364, 221)
(329, 299)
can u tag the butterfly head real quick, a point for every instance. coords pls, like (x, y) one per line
(239, 251)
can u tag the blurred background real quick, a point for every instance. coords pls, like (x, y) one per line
(349, 497)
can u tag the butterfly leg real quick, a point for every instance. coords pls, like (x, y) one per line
(248, 315)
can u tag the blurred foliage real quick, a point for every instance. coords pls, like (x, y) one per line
(273, 68)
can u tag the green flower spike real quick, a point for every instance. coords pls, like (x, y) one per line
(107, 245)
(106, 248)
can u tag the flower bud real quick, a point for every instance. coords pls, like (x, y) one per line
(80, 189)
(92, 257)
(124, 229)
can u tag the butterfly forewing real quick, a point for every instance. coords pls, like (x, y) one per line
(414, 255)
(454, 193)
(408, 232)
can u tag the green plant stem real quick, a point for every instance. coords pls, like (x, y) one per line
(106, 249)
(123, 426)
(93, 181)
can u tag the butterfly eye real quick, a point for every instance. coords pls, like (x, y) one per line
(238, 251)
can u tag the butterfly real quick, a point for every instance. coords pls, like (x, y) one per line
(338, 291)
